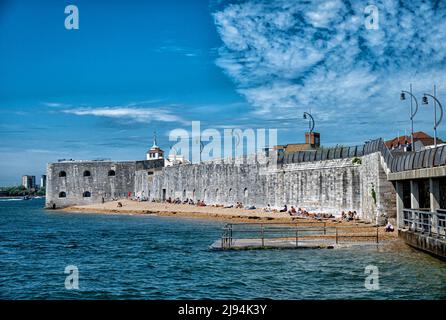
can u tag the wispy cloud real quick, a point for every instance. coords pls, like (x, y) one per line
(142, 115)
(286, 56)
(181, 50)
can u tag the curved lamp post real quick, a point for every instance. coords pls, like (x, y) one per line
(412, 112)
(436, 123)
(311, 123)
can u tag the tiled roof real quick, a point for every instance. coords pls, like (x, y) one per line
(421, 136)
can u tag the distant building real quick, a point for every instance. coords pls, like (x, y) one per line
(43, 181)
(312, 142)
(403, 143)
(172, 160)
(155, 152)
(29, 182)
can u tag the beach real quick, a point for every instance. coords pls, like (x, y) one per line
(233, 215)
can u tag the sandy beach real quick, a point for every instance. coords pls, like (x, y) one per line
(215, 213)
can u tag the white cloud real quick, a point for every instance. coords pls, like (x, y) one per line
(143, 115)
(288, 56)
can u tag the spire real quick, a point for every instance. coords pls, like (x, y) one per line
(154, 140)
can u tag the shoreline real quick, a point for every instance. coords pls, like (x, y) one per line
(231, 215)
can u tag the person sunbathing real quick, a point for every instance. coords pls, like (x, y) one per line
(284, 209)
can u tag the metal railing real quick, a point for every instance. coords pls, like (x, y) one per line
(432, 224)
(266, 233)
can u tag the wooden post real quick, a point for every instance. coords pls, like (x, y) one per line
(297, 241)
(263, 240)
(377, 233)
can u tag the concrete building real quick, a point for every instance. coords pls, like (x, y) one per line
(173, 160)
(29, 182)
(43, 181)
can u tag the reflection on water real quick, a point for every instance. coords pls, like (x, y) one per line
(134, 257)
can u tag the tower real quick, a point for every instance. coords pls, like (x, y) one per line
(155, 152)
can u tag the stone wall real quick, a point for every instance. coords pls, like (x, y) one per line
(322, 186)
(67, 183)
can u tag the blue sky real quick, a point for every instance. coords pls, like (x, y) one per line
(138, 66)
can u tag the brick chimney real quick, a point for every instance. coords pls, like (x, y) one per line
(313, 139)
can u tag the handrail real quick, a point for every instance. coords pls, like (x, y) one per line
(425, 222)
(271, 231)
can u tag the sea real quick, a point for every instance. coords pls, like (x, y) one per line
(149, 257)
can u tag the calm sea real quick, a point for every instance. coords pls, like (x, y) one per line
(149, 257)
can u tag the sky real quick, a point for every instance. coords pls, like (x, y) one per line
(135, 67)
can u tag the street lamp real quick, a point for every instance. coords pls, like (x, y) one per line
(436, 123)
(412, 113)
(311, 122)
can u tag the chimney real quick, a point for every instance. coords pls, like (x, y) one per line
(313, 139)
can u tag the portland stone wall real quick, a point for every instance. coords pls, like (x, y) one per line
(319, 186)
(86, 182)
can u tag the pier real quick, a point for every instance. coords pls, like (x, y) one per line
(295, 235)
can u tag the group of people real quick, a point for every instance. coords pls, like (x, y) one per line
(199, 202)
(349, 216)
(301, 212)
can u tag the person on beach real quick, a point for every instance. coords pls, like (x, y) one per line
(293, 211)
(268, 208)
(389, 227)
(285, 208)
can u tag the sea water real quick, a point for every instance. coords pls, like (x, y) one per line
(150, 257)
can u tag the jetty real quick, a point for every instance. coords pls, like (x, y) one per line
(293, 235)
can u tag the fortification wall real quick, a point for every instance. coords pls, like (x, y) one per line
(323, 186)
(67, 183)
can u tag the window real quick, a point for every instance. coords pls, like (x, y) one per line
(111, 173)
(62, 174)
(86, 194)
(87, 173)
(62, 194)
(149, 173)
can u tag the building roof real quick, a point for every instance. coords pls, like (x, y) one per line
(294, 147)
(421, 136)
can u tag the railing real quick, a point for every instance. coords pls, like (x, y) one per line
(428, 158)
(267, 234)
(432, 224)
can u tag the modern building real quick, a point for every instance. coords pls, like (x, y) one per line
(29, 182)
(43, 181)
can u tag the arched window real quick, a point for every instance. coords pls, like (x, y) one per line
(62, 174)
(86, 194)
(184, 193)
(62, 194)
(87, 173)
(245, 193)
(111, 173)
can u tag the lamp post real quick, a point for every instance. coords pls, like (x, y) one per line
(201, 146)
(311, 121)
(436, 123)
(175, 154)
(412, 112)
